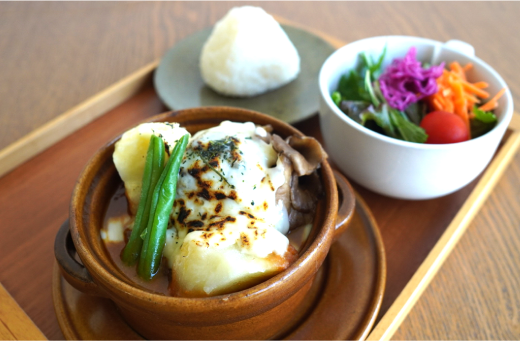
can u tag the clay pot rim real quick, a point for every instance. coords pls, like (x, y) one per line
(255, 294)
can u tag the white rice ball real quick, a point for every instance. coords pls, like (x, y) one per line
(247, 54)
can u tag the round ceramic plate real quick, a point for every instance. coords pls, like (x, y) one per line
(179, 84)
(351, 282)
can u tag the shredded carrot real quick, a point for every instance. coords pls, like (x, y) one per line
(492, 103)
(441, 100)
(457, 69)
(481, 85)
(449, 106)
(467, 67)
(460, 104)
(471, 98)
(456, 95)
(473, 89)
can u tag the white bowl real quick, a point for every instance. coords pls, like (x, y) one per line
(398, 168)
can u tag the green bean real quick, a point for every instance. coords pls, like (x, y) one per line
(153, 168)
(162, 201)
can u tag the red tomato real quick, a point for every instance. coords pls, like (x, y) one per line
(444, 127)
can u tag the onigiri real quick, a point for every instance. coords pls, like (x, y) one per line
(248, 53)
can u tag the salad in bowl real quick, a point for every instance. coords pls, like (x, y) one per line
(409, 117)
(415, 101)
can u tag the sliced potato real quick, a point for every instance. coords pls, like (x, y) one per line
(201, 271)
(130, 155)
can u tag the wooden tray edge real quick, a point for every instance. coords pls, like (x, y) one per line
(429, 267)
(14, 322)
(73, 119)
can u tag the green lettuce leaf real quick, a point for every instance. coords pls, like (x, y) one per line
(482, 123)
(394, 123)
(408, 130)
(484, 116)
(381, 118)
(353, 85)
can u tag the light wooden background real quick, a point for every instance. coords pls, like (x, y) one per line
(55, 55)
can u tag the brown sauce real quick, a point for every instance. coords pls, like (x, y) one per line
(117, 207)
(160, 283)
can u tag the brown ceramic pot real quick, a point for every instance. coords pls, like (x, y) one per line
(267, 310)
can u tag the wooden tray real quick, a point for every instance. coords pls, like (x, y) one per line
(416, 245)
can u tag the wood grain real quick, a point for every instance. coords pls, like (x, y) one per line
(14, 322)
(482, 274)
(55, 55)
(65, 124)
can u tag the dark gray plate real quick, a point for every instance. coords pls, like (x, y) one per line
(179, 83)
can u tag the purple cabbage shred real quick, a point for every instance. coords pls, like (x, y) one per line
(405, 81)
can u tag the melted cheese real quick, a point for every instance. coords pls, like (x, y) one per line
(228, 230)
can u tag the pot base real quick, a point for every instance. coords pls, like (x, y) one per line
(351, 281)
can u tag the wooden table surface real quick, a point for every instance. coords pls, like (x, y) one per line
(55, 55)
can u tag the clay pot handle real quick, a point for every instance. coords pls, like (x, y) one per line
(73, 271)
(347, 204)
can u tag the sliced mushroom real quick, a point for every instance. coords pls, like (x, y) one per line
(302, 189)
(297, 219)
(284, 192)
(305, 192)
(300, 165)
(310, 146)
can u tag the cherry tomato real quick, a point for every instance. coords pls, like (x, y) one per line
(444, 127)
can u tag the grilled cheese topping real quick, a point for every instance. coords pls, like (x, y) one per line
(227, 228)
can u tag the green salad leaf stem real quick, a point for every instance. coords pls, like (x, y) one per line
(370, 89)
